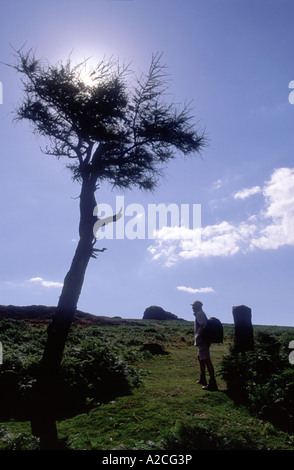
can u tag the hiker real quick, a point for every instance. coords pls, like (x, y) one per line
(203, 348)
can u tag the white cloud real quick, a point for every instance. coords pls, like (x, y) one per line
(247, 192)
(271, 228)
(42, 282)
(200, 290)
(279, 211)
(222, 239)
(216, 185)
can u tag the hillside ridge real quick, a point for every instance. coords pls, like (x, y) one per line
(41, 315)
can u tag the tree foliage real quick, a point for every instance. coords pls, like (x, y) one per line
(263, 379)
(117, 128)
(93, 370)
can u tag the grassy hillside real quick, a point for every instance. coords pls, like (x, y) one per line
(164, 408)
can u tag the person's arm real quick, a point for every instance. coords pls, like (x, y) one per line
(202, 321)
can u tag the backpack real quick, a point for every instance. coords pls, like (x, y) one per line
(213, 331)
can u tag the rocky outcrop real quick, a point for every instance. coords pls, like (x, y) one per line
(158, 313)
(244, 337)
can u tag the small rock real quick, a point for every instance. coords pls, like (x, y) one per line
(154, 348)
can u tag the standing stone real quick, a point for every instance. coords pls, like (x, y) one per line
(243, 339)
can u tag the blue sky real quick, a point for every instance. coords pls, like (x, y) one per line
(234, 61)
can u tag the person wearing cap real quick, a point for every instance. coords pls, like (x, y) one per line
(203, 348)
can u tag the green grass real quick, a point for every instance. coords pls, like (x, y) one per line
(169, 409)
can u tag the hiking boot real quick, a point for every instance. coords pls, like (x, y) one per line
(202, 380)
(211, 387)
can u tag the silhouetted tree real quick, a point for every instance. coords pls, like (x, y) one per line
(117, 129)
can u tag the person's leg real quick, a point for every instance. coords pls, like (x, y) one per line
(210, 368)
(212, 386)
(202, 379)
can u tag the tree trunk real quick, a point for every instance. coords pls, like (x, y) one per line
(46, 399)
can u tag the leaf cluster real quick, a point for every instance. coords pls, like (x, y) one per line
(116, 128)
(263, 380)
(193, 436)
(92, 371)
